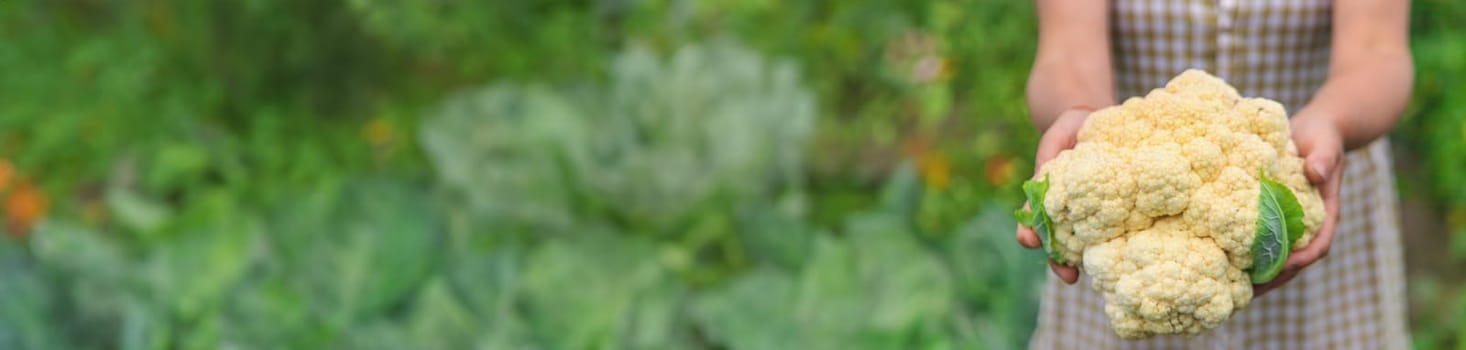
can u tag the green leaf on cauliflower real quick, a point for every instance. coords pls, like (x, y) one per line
(1037, 217)
(1279, 224)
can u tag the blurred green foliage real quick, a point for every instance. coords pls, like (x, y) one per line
(1433, 138)
(640, 174)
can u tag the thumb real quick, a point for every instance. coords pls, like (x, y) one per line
(1059, 137)
(1320, 164)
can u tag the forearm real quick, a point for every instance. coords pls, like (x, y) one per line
(1072, 65)
(1370, 73)
(1365, 97)
(1058, 85)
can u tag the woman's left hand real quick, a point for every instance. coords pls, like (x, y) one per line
(1321, 145)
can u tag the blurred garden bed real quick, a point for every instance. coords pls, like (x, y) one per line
(563, 174)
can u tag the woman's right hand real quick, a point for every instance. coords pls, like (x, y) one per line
(1060, 136)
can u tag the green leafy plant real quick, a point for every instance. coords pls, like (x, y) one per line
(1037, 218)
(1279, 224)
(259, 174)
(712, 125)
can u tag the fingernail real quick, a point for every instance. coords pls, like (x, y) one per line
(1319, 169)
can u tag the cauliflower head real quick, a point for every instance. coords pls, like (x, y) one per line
(1160, 201)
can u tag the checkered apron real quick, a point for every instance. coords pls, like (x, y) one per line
(1352, 299)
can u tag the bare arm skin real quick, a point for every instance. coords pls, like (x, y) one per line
(1369, 83)
(1370, 73)
(1072, 66)
(1071, 76)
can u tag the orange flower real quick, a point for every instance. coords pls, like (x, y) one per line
(6, 172)
(23, 209)
(936, 171)
(1456, 218)
(1000, 170)
(931, 163)
(379, 132)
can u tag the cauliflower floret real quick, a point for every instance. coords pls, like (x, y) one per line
(1165, 281)
(1198, 83)
(1228, 216)
(1158, 202)
(1261, 117)
(1163, 180)
(1097, 193)
(1116, 125)
(1206, 158)
(1251, 152)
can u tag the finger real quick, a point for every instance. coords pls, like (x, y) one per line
(1283, 277)
(1323, 160)
(1027, 238)
(1330, 192)
(1321, 166)
(1025, 235)
(1068, 274)
(1258, 290)
(1323, 239)
(1049, 147)
(1058, 138)
(1317, 249)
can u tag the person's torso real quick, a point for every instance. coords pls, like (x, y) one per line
(1278, 49)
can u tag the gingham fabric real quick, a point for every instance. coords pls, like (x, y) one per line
(1352, 299)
